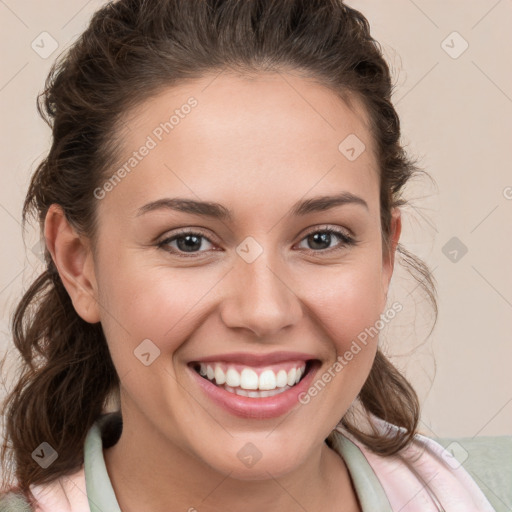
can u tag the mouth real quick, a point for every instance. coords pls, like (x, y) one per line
(256, 392)
(255, 382)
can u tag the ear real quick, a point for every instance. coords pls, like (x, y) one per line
(74, 261)
(388, 261)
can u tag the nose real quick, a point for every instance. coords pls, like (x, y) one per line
(259, 298)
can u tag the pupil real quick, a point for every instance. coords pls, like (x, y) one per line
(192, 242)
(321, 238)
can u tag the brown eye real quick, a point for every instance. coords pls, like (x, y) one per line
(321, 240)
(185, 242)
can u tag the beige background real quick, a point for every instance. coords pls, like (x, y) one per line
(456, 116)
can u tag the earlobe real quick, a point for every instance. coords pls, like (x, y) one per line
(389, 257)
(73, 259)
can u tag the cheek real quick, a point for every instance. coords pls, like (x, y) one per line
(347, 306)
(346, 300)
(158, 304)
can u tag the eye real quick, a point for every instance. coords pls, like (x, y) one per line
(320, 240)
(190, 243)
(186, 242)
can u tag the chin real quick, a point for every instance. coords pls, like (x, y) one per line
(250, 463)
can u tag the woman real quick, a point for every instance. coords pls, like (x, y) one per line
(221, 209)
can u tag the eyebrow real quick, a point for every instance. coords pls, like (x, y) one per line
(218, 211)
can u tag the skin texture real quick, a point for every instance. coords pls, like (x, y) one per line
(256, 145)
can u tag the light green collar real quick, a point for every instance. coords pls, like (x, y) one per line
(368, 487)
(100, 493)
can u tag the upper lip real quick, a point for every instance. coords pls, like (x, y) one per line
(256, 359)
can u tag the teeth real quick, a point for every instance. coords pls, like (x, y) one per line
(232, 378)
(220, 377)
(267, 380)
(248, 382)
(249, 379)
(281, 379)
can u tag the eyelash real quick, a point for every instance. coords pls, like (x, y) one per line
(346, 241)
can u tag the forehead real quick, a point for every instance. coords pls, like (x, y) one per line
(262, 137)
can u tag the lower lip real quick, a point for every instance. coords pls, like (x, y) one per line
(257, 408)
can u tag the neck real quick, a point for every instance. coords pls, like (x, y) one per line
(149, 472)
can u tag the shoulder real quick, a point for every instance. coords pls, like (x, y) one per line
(426, 475)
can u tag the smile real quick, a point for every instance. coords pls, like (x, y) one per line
(250, 381)
(254, 392)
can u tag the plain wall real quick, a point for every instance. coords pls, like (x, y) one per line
(456, 111)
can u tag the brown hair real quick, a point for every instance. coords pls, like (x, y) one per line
(131, 50)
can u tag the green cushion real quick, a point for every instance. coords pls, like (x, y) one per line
(488, 459)
(13, 502)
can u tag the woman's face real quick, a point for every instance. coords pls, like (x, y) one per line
(265, 280)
